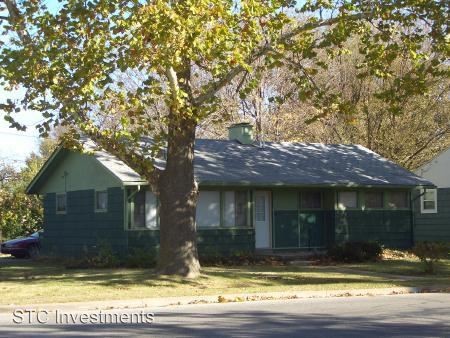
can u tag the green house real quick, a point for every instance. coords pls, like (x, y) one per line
(432, 206)
(253, 197)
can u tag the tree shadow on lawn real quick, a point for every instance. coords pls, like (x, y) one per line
(215, 278)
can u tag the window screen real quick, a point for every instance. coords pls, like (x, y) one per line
(348, 199)
(398, 199)
(311, 200)
(374, 199)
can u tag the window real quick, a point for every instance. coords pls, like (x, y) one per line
(428, 201)
(208, 209)
(311, 200)
(347, 199)
(260, 208)
(241, 208)
(145, 211)
(139, 209)
(228, 209)
(398, 200)
(61, 203)
(374, 199)
(101, 200)
(151, 210)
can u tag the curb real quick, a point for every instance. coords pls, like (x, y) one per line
(151, 303)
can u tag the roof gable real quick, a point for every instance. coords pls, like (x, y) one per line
(72, 171)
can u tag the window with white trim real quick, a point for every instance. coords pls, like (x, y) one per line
(428, 201)
(61, 203)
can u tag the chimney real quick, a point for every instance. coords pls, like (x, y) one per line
(241, 132)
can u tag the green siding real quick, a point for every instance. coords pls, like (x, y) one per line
(76, 172)
(81, 230)
(391, 228)
(214, 242)
(433, 227)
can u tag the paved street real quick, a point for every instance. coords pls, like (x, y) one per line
(414, 315)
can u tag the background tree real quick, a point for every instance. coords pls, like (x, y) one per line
(411, 135)
(187, 52)
(22, 214)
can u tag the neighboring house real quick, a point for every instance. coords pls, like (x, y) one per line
(252, 196)
(432, 207)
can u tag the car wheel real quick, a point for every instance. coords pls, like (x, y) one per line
(19, 256)
(33, 251)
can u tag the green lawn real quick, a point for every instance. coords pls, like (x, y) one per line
(408, 267)
(27, 282)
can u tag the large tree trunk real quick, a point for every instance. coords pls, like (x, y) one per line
(178, 199)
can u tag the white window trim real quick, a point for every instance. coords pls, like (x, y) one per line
(60, 212)
(422, 200)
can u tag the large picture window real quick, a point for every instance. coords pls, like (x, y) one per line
(428, 201)
(208, 209)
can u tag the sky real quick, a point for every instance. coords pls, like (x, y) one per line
(16, 146)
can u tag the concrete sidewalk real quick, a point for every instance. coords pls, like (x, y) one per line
(151, 303)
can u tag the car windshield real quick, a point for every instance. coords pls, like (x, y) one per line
(35, 235)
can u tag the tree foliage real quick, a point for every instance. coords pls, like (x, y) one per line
(413, 135)
(22, 214)
(71, 61)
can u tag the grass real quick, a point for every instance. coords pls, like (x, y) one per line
(409, 267)
(27, 282)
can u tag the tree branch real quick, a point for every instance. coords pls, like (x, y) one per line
(265, 49)
(15, 18)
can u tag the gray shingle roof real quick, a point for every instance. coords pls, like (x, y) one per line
(229, 162)
(223, 162)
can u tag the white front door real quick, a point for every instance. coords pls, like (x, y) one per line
(262, 219)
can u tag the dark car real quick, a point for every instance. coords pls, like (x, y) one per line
(24, 246)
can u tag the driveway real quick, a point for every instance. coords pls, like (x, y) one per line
(412, 315)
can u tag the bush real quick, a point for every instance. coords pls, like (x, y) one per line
(355, 252)
(103, 258)
(141, 258)
(430, 253)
